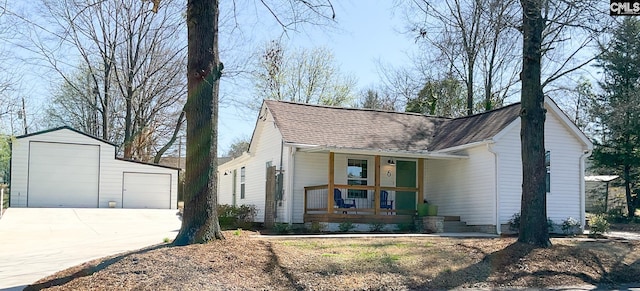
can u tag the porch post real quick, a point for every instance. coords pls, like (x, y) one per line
(420, 181)
(330, 183)
(376, 200)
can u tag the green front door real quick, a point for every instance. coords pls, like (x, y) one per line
(405, 177)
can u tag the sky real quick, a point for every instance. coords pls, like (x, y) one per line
(365, 33)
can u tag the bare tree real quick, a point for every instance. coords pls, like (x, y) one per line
(466, 32)
(71, 104)
(499, 52)
(204, 69)
(402, 83)
(90, 29)
(302, 75)
(238, 147)
(439, 97)
(10, 78)
(377, 99)
(149, 71)
(134, 63)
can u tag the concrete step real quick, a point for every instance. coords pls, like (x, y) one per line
(457, 226)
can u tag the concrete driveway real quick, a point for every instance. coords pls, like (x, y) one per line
(37, 242)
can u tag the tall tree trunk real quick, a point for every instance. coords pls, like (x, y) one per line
(470, 88)
(533, 217)
(631, 203)
(105, 113)
(200, 218)
(174, 137)
(128, 128)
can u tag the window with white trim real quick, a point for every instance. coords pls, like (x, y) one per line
(242, 180)
(357, 175)
(547, 165)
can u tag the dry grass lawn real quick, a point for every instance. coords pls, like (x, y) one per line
(244, 262)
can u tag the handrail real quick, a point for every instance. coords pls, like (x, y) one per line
(318, 187)
(362, 187)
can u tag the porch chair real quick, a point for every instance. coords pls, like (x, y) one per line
(341, 203)
(385, 203)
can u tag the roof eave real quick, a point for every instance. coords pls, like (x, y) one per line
(376, 152)
(464, 146)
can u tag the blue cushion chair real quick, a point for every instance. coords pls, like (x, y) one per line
(342, 203)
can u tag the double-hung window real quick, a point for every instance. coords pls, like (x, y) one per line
(547, 165)
(242, 180)
(357, 175)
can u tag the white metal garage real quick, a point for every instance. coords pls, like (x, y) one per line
(63, 167)
(63, 175)
(146, 190)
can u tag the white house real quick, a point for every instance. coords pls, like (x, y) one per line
(359, 165)
(63, 167)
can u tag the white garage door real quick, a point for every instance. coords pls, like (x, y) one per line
(63, 175)
(146, 190)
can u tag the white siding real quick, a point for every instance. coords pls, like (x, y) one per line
(564, 199)
(112, 174)
(311, 169)
(463, 187)
(111, 169)
(265, 147)
(225, 185)
(20, 158)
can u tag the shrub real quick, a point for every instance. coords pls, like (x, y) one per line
(570, 226)
(346, 226)
(231, 217)
(376, 227)
(616, 216)
(550, 224)
(514, 223)
(317, 227)
(598, 225)
(407, 227)
(281, 228)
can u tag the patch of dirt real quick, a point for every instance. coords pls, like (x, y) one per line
(244, 262)
(626, 227)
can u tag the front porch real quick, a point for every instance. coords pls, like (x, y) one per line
(364, 210)
(365, 203)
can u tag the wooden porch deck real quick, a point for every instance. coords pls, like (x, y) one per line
(358, 218)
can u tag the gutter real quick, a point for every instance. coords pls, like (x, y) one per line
(497, 186)
(464, 146)
(583, 157)
(394, 153)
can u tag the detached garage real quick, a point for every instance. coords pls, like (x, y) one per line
(63, 167)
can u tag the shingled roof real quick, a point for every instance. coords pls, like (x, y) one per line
(474, 128)
(365, 129)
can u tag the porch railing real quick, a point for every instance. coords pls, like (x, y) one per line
(366, 199)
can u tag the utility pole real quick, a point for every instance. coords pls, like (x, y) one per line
(24, 116)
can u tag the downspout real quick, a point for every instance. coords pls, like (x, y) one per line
(279, 175)
(583, 157)
(291, 175)
(496, 178)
